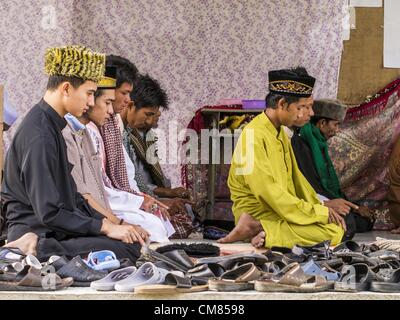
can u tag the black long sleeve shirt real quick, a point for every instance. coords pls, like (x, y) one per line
(38, 190)
(306, 165)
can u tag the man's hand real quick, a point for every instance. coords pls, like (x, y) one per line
(366, 212)
(124, 233)
(179, 193)
(335, 218)
(144, 235)
(148, 203)
(341, 206)
(176, 205)
(155, 206)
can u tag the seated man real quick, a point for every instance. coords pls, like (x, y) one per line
(355, 222)
(272, 201)
(38, 190)
(144, 113)
(119, 167)
(87, 169)
(139, 141)
(311, 150)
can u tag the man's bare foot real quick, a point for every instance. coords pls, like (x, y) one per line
(395, 231)
(259, 240)
(27, 243)
(246, 228)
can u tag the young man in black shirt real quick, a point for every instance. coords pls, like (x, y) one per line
(39, 193)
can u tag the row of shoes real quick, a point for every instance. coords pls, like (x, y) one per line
(20, 272)
(349, 267)
(101, 270)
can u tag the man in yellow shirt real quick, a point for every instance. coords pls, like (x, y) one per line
(273, 204)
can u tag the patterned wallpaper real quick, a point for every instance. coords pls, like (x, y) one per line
(200, 50)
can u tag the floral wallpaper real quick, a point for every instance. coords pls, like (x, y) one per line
(200, 50)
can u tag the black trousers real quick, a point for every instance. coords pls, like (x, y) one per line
(356, 224)
(83, 245)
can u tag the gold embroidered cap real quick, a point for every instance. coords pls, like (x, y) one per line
(109, 80)
(75, 61)
(286, 82)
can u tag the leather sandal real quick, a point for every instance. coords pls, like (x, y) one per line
(237, 279)
(33, 279)
(292, 279)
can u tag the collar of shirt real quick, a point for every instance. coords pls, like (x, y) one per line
(75, 124)
(271, 128)
(54, 116)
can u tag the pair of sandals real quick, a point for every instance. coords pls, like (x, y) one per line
(236, 272)
(292, 278)
(148, 278)
(29, 274)
(240, 278)
(127, 279)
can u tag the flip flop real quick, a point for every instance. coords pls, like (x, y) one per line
(108, 282)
